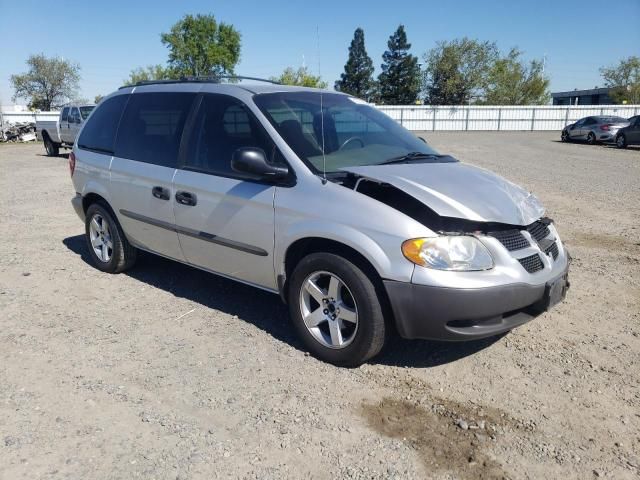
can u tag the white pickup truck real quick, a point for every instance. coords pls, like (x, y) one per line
(63, 131)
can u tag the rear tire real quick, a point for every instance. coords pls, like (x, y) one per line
(109, 249)
(363, 328)
(591, 138)
(621, 141)
(52, 148)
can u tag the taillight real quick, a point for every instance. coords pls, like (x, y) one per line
(605, 127)
(72, 163)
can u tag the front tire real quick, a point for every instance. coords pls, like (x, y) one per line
(621, 141)
(52, 148)
(335, 309)
(564, 136)
(109, 249)
(591, 138)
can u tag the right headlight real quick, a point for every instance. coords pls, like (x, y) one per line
(448, 252)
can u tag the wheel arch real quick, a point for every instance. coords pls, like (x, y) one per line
(308, 245)
(92, 197)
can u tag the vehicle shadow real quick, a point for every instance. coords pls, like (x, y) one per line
(266, 311)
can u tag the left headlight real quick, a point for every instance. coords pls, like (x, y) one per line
(448, 252)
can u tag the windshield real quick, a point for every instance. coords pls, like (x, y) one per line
(355, 133)
(85, 111)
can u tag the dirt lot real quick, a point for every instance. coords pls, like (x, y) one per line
(167, 372)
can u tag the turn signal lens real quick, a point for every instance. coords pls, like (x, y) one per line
(448, 252)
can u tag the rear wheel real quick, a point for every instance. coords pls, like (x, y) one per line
(564, 136)
(591, 138)
(50, 146)
(621, 141)
(110, 250)
(335, 310)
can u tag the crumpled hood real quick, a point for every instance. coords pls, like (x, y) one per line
(459, 190)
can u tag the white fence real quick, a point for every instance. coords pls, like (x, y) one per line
(532, 118)
(19, 117)
(425, 118)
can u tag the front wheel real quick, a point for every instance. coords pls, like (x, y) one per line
(110, 250)
(564, 136)
(621, 141)
(591, 138)
(335, 310)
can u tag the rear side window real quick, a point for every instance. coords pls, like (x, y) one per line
(65, 114)
(223, 125)
(100, 131)
(151, 127)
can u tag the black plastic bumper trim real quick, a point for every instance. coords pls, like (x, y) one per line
(455, 314)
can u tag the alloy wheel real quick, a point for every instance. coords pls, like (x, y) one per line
(328, 310)
(100, 236)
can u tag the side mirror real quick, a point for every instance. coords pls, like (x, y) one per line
(253, 161)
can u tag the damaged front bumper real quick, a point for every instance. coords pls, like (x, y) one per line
(449, 313)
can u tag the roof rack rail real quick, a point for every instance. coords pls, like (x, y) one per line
(200, 79)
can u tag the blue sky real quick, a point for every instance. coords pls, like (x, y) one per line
(110, 38)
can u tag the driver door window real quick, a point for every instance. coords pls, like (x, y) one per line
(222, 126)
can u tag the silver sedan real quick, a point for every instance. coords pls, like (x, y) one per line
(596, 129)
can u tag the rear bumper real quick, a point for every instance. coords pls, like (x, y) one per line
(439, 313)
(77, 206)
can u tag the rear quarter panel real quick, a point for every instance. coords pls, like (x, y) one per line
(92, 173)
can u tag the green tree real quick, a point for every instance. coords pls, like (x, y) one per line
(148, 73)
(49, 82)
(457, 71)
(200, 46)
(624, 80)
(399, 82)
(300, 77)
(511, 81)
(357, 78)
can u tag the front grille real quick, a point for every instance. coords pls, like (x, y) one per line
(538, 230)
(532, 263)
(511, 239)
(553, 249)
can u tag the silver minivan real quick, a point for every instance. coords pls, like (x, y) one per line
(360, 226)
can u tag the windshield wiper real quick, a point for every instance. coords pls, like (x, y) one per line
(408, 157)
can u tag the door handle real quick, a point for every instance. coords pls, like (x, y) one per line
(186, 198)
(160, 192)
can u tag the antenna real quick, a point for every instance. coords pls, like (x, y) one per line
(324, 158)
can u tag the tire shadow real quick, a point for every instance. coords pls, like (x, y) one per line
(266, 311)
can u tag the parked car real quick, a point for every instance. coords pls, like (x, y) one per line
(596, 129)
(62, 132)
(317, 196)
(629, 135)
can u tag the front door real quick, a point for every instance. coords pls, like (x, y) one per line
(143, 167)
(74, 125)
(634, 131)
(224, 222)
(63, 126)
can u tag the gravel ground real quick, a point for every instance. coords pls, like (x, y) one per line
(167, 372)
